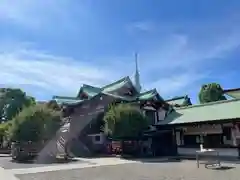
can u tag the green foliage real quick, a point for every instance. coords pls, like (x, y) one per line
(124, 121)
(210, 93)
(35, 123)
(53, 104)
(4, 130)
(12, 101)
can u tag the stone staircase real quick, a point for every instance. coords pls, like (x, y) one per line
(68, 134)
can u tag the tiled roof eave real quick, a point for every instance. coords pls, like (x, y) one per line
(220, 110)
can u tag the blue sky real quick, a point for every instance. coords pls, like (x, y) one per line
(53, 47)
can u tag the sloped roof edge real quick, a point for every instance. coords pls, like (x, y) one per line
(177, 98)
(126, 78)
(231, 90)
(207, 104)
(220, 110)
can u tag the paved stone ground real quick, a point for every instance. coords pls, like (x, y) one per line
(118, 169)
(7, 163)
(182, 170)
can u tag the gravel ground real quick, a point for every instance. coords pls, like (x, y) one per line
(184, 170)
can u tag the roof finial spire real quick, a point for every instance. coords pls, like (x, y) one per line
(136, 61)
(137, 75)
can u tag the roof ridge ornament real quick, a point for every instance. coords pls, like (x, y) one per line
(137, 75)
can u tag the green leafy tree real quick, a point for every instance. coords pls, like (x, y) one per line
(124, 121)
(4, 127)
(210, 93)
(12, 102)
(54, 105)
(35, 123)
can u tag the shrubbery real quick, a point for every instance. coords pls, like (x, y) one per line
(35, 123)
(124, 120)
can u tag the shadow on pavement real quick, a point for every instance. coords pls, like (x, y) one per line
(232, 160)
(159, 160)
(140, 159)
(154, 159)
(223, 168)
(56, 161)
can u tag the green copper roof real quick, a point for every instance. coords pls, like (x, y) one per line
(90, 90)
(149, 95)
(65, 97)
(124, 98)
(220, 110)
(234, 93)
(66, 100)
(179, 101)
(116, 85)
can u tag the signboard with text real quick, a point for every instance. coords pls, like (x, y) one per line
(203, 129)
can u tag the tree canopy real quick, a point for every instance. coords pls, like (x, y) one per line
(124, 121)
(35, 123)
(54, 105)
(210, 93)
(12, 102)
(4, 127)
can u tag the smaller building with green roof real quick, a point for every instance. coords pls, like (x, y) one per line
(215, 125)
(217, 112)
(233, 93)
(179, 101)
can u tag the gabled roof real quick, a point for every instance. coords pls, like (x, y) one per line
(66, 100)
(151, 94)
(89, 90)
(124, 98)
(92, 91)
(234, 93)
(116, 85)
(214, 111)
(179, 101)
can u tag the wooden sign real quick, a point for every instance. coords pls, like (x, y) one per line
(203, 129)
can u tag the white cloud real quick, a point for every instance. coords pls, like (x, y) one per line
(144, 26)
(177, 52)
(176, 82)
(176, 66)
(57, 75)
(36, 13)
(171, 68)
(170, 64)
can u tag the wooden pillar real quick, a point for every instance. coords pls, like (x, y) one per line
(175, 150)
(222, 140)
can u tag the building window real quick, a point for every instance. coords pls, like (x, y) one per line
(97, 138)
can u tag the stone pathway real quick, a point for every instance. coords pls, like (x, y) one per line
(7, 175)
(120, 169)
(85, 163)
